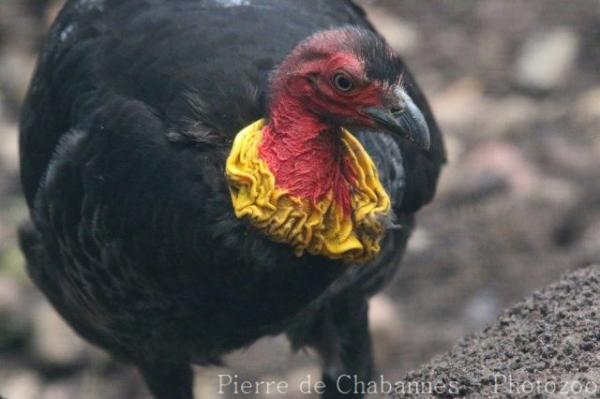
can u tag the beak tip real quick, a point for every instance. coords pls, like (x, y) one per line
(411, 125)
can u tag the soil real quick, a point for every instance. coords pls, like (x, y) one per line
(546, 345)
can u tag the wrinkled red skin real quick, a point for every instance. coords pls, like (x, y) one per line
(301, 143)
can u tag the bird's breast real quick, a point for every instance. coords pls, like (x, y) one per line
(320, 227)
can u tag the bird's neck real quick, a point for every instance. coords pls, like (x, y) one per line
(306, 154)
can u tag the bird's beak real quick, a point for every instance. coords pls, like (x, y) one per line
(402, 117)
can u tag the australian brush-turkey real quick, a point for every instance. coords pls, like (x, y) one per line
(202, 173)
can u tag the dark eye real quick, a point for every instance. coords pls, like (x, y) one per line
(342, 82)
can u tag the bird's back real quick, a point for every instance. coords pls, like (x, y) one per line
(185, 59)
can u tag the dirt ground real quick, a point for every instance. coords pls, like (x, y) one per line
(515, 86)
(545, 346)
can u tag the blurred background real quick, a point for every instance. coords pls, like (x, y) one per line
(515, 86)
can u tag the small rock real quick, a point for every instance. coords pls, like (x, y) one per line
(54, 342)
(61, 391)
(588, 107)
(491, 168)
(507, 116)
(16, 68)
(9, 148)
(556, 191)
(11, 257)
(482, 309)
(454, 147)
(267, 354)
(3, 111)
(420, 241)
(22, 385)
(206, 382)
(465, 109)
(562, 153)
(546, 59)
(586, 346)
(15, 314)
(12, 295)
(455, 151)
(91, 383)
(401, 35)
(459, 104)
(386, 326)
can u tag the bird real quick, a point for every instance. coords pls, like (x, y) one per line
(204, 173)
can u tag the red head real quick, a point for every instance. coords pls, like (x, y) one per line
(327, 76)
(345, 77)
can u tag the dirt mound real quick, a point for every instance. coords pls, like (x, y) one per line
(547, 345)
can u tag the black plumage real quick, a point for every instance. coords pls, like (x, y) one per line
(124, 135)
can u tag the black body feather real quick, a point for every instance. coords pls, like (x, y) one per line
(124, 137)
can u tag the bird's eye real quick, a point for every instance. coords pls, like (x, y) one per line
(342, 82)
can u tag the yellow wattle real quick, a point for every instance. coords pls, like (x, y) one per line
(319, 229)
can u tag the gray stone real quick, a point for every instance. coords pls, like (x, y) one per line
(482, 309)
(16, 68)
(400, 34)
(420, 241)
(15, 312)
(387, 327)
(9, 151)
(269, 354)
(491, 168)
(546, 59)
(588, 107)
(21, 385)
(62, 391)
(56, 344)
(460, 104)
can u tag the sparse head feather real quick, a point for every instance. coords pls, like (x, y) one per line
(379, 61)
